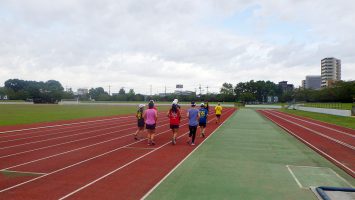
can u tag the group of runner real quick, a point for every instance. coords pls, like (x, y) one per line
(196, 116)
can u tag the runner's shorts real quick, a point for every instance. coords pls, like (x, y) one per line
(202, 124)
(174, 126)
(150, 126)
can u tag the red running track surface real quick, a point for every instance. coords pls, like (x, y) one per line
(335, 143)
(90, 160)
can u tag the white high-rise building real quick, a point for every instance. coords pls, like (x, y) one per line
(330, 71)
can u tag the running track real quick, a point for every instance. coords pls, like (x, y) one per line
(335, 143)
(91, 159)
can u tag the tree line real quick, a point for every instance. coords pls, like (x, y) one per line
(52, 91)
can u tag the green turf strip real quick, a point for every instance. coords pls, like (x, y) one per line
(245, 159)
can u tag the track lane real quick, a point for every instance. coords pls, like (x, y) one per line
(25, 147)
(340, 138)
(79, 168)
(336, 132)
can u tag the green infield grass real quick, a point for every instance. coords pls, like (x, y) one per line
(341, 106)
(33, 113)
(333, 119)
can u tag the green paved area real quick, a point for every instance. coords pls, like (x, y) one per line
(246, 158)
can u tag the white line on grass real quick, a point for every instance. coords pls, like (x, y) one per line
(313, 147)
(166, 176)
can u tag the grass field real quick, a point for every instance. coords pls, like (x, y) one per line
(33, 113)
(341, 106)
(333, 119)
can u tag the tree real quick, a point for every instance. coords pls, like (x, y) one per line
(227, 92)
(122, 91)
(98, 94)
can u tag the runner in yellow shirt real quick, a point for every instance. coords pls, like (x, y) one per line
(218, 110)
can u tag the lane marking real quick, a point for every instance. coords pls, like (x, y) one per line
(59, 125)
(352, 172)
(46, 147)
(140, 148)
(316, 132)
(294, 177)
(327, 168)
(60, 131)
(180, 163)
(333, 129)
(56, 138)
(73, 150)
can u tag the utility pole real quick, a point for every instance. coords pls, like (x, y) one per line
(165, 90)
(151, 88)
(200, 89)
(109, 90)
(207, 89)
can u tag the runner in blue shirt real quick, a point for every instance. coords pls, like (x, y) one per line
(192, 115)
(203, 113)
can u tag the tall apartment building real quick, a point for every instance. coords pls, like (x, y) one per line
(313, 82)
(330, 71)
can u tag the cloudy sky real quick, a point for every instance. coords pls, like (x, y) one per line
(156, 43)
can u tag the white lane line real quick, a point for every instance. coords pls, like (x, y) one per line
(59, 125)
(167, 175)
(66, 136)
(78, 128)
(316, 132)
(140, 148)
(73, 150)
(333, 129)
(22, 172)
(66, 128)
(294, 177)
(313, 147)
(75, 164)
(72, 141)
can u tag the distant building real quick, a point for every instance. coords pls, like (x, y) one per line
(286, 87)
(184, 93)
(313, 82)
(303, 84)
(82, 91)
(330, 71)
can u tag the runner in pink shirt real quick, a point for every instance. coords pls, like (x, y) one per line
(150, 116)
